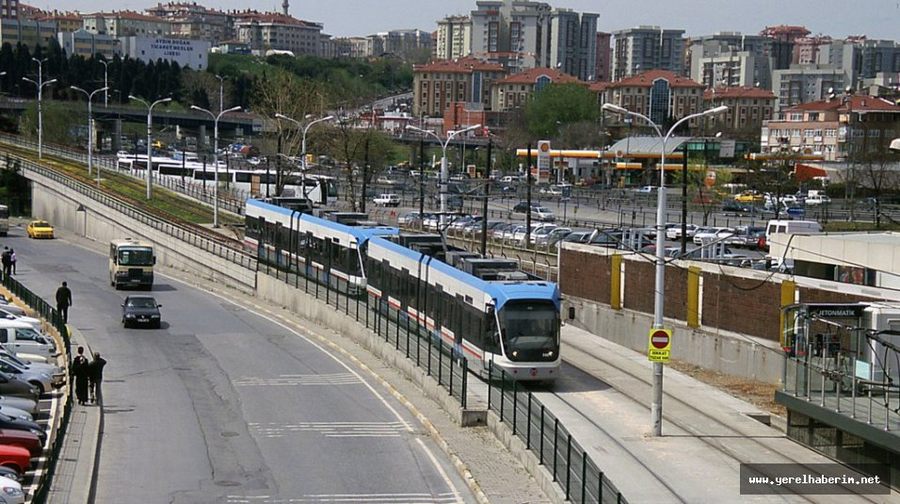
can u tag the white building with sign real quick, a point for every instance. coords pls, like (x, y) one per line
(187, 53)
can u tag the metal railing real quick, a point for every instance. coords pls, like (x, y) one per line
(197, 236)
(577, 475)
(440, 360)
(234, 203)
(50, 314)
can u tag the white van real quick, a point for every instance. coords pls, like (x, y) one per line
(791, 227)
(20, 337)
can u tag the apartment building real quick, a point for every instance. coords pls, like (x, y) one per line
(515, 30)
(267, 30)
(659, 94)
(807, 83)
(837, 128)
(573, 42)
(404, 44)
(783, 38)
(748, 108)
(516, 90)
(440, 83)
(66, 22)
(647, 48)
(603, 70)
(28, 32)
(729, 59)
(125, 24)
(84, 43)
(194, 21)
(453, 38)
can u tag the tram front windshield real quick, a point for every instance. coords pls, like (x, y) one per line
(530, 325)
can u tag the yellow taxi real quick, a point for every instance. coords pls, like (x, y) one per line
(749, 197)
(39, 229)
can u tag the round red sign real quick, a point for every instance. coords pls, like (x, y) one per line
(660, 339)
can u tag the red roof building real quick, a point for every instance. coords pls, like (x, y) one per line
(660, 94)
(836, 128)
(747, 106)
(515, 90)
(438, 84)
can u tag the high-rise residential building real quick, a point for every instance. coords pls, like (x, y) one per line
(729, 59)
(439, 84)
(194, 21)
(860, 58)
(405, 44)
(573, 42)
(352, 47)
(274, 31)
(806, 83)
(783, 39)
(748, 107)
(648, 48)
(125, 24)
(453, 38)
(659, 94)
(514, 31)
(603, 70)
(806, 49)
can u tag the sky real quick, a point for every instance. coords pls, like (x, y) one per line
(879, 19)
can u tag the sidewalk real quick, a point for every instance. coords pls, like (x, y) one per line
(73, 480)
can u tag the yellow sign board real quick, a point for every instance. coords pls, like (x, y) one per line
(659, 344)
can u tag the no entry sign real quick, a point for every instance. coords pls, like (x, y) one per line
(659, 345)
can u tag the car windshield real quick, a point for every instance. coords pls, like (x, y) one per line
(530, 325)
(134, 256)
(41, 224)
(141, 302)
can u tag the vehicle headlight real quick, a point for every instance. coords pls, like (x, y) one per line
(129, 315)
(12, 491)
(154, 316)
(45, 375)
(36, 432)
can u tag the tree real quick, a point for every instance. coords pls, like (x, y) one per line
(557, 105)
(359, 152)
(60, 121)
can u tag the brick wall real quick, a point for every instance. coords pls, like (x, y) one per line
(809, 295)
(741, 305)
(676, 293)
(639, 281)
(585, 275)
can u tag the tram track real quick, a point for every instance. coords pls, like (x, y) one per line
(709, 438)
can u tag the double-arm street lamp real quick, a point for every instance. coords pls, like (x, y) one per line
(303, 146)
(90, 142)
(40, 94)
(149, 134)
(659, 287)
(444, 172)
(105, 82)
(215, 118)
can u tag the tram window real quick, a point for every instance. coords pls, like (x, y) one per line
(242, 177)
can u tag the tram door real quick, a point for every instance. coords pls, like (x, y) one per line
(254, 185)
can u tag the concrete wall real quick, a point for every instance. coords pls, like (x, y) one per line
(58, 204)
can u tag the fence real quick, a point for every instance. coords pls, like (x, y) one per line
(232, 203)
(197, 236)
(46, 312)
(438, 359)
(549, 440)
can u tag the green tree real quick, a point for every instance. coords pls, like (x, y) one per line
(61, 122)
(557, 105)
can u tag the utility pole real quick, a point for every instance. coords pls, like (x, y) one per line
(422, 179)
(528, 199)
(365, 175)
(684, 175)
(487, 193)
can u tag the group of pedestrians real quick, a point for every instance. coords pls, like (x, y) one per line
(87, 377)
(8, 260)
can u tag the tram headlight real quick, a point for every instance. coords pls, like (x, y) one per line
(515, 353)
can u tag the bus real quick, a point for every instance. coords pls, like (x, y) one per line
(131, 264)
(4, 220)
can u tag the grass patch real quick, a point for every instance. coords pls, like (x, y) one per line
(838, 226)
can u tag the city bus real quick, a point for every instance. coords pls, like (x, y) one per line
(4, 220)
(131, 264)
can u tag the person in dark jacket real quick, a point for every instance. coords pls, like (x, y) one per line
(63, 301)
(80, 372)
(96, 378)
(6, 261)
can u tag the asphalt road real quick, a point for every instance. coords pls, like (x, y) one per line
(223, 405)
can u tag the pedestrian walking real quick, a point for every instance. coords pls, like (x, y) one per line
(63, 301)
(96, 378)
(12, 258)
(79, 372)
(6, 261)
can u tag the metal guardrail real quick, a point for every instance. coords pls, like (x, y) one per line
(194, 235)
(196, 190)
(549, 440)
(438, 359)
(46, 312)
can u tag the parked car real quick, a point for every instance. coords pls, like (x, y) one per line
(141, 310)
(12, 386)
(37, 377)
(20, 337)
(386, 200)
(8, 422)
(409, 219)
(15, 457)
(22, 403)
(17, 413)
(23, 439)
(542, 214)
(13, 309)
(539, 234)
(11, 491)
(11, 474)
(8, 315)
(39, 229)
(647, 189)
(817, 199)
(712, 234)
(581, 236)
(674, 233)
(554, 236)
(497, 232)
(737, 207)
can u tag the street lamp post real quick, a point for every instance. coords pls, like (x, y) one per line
(303, 146)
(215, 119)
(221, 92)
(149, 134)
(105, 82)
(444, 174)
(40, 94)
(659, 288)
(90, 99)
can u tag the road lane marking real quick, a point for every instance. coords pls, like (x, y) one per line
(298, 380)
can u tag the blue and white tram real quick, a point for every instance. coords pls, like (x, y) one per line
(514, 324)
(323, 250)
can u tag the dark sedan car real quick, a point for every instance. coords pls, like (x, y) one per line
(23, 439)
(12, 386)
(141, 310)
(8, 422)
